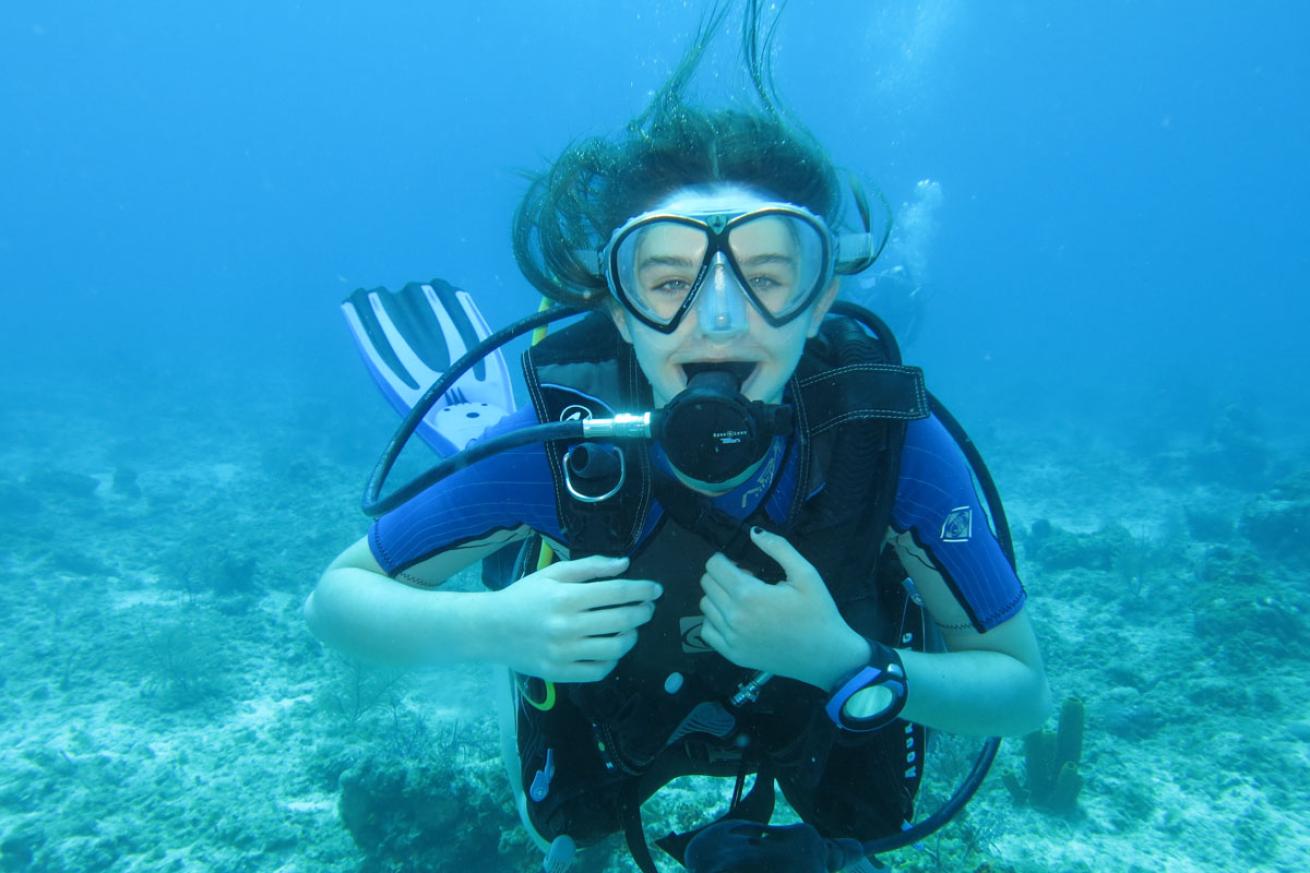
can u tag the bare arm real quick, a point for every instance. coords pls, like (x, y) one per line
(357, 609)
(991, 684)
(569, 622)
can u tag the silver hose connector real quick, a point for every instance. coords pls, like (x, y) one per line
(749, 692)
(623, 426)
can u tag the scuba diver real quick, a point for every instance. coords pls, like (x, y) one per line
(899, 299)
(897, 287)
(746, 539)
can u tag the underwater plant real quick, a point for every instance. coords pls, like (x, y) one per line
(183, 666)
(1051, 761)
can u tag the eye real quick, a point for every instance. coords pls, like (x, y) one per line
(673, 286)
(767, 283)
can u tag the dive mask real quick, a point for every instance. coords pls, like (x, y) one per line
(779, 257)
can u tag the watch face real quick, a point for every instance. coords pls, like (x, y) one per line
(869, 702)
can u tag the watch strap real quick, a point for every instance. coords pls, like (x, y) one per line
(884, 668)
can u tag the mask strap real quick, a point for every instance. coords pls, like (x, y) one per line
(856, 252)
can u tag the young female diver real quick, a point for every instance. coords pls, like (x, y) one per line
(731, 599)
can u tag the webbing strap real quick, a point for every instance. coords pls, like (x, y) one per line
(630, 811)
(756, 806)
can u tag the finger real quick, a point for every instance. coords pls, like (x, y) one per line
(715, 592)
(606, 593)
(714, 618)
(729, 576)
(586, 569)
(713, 638)
(793, 563)
(609, 648)
(614, 620)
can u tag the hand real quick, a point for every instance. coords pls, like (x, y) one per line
(792, 629)
(571, 621)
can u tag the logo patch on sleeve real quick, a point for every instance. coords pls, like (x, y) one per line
(957, 527)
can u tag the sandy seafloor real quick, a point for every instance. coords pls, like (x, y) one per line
(164, 707)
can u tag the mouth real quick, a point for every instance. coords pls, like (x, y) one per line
(739, 370)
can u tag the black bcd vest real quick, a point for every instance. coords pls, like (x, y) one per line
(671, 690)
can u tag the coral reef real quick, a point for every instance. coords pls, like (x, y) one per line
(1112, 547)
(1278, 521)
(1240, 606)
(428, 815)
(1054, 548)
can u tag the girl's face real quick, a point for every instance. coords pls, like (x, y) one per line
(722, 326)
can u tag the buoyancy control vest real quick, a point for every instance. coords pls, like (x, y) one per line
(668, 708)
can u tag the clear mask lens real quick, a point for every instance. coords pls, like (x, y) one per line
(780, 258)
(659, 264)
(775, 261)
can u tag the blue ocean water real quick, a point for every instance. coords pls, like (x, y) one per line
(1122, 184)
(1110, 222)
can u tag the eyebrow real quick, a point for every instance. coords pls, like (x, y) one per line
(663, 261)
(757, 260)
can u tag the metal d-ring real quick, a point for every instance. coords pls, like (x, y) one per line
(586, 498)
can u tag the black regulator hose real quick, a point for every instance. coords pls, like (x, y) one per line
(964, 792)
(373, 504)
(541, 433)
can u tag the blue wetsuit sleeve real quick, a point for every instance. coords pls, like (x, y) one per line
(937, 503)
(501, 492)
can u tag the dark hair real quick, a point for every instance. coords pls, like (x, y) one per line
(570, 210)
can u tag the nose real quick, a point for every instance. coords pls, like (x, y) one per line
(721, 309)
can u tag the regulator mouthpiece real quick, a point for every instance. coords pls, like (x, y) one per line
(712, 434)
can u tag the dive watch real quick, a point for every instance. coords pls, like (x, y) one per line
(872, 698)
